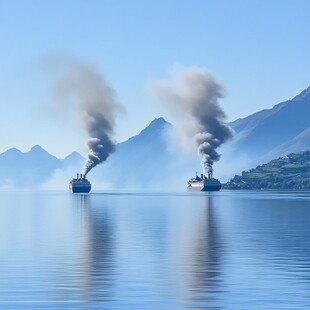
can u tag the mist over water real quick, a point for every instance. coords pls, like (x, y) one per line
(224, 250)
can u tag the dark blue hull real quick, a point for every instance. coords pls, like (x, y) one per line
(81, 189)
(213, 188)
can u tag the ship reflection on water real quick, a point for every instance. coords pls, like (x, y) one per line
(200, 270)
(155, 251)
(89, 278)
(206, 271)
(130, 251)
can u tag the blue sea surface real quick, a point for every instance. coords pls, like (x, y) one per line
(112, 250)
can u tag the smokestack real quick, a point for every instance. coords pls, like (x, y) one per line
(87, 91)
(192, 100)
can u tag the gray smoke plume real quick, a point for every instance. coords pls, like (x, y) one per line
(86, 90)
(192, 100)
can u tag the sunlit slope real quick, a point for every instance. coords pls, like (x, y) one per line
(289, 172)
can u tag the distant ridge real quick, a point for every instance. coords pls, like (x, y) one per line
(263, 134)
(32, 168)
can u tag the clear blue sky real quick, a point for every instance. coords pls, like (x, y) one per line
(258, 50)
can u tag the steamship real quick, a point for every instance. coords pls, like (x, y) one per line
(204, 183)
(80, 184)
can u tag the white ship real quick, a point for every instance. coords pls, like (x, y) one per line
(204, 183)
(80, 184)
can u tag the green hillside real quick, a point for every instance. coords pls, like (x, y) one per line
(289, 172)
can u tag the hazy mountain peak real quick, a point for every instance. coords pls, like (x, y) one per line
(73, 156)
(37, 148)
(305, 94)
(12, 151)
(38, 151)
(156, 125)
(158, 121)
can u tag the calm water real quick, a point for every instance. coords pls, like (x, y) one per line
(226, 250)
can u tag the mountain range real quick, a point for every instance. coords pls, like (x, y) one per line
(285, 127)
(32, 168)
(154, 158)
(268, 134)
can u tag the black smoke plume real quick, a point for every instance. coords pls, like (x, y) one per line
(192, 100)
(82, 86)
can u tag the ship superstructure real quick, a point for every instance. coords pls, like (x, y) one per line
(80, 184)
(204, 183)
